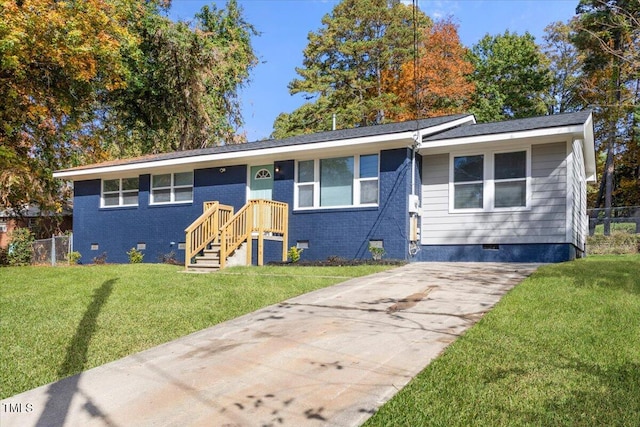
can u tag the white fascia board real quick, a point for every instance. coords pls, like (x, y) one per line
(470, 119)
(589, 150)
(499, 137)
(237, 157)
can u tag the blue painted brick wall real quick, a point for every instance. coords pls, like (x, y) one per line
(539, 253)
(341, 232)
(161, 227)
(346, 232)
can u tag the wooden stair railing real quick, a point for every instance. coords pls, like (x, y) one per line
(261, 216)
(205, 229)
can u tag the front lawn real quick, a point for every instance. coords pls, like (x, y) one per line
(561, 349)
(56, 322)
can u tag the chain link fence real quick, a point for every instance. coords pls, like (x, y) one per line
(53, 250)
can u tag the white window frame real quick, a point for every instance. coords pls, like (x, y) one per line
(3, 227)
(172, 187)
(526, 179)
(357, 180)
(452, 186)
(488, 196)
(315, 184)
(121, 193)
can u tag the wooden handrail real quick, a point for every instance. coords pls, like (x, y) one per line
(206, 228)
(263, 216)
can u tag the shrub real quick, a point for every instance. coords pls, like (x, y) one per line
(169, 258)
(20, 247)
(101, 259)
(135, 256)
(74, 257)
(4, 260)
(294, 254)
(376, 252)
(618, 242)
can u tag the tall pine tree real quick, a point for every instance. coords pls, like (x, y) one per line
(608, 34)
(344, 63)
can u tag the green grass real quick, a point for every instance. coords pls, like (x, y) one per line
(625, 227)
(561, 349)
(56, 322)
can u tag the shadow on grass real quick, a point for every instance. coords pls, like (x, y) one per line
(62, 392)
(622, 274)
(614, 401)
(607, 395)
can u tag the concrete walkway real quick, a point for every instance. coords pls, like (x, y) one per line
(327, 358)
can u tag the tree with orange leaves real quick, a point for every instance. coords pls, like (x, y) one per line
(441, 84)
(57, 58)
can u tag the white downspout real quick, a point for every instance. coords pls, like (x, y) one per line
(417, 139)
(413, 214)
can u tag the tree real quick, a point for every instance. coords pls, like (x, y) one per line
(608, 34)
(58, 58)
(183, 93)
(511, 77)
(309, 118)
(84, 81)
(565, 64)
(440, 85)
(345, 60)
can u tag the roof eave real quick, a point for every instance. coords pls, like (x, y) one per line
(402, 138)
(500, 137)
(384, 141)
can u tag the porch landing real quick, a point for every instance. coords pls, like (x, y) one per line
(327, 358)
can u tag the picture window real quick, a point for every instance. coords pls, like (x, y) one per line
(338, 182)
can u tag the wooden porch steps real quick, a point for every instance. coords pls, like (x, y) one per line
(209, 261)
(220, 238)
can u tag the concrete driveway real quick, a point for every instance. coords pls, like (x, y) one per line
(327, 358)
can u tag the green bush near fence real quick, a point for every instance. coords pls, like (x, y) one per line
(20, 251)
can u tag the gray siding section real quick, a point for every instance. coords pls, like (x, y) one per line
(545, 222)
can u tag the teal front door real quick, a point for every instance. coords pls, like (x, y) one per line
(261, 182)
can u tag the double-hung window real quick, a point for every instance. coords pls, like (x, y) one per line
(368, 179)
(120, 192)
(468, 182)
(510, 179)
(172, 188)
(337, 182)
(306, 186)
(490, 181)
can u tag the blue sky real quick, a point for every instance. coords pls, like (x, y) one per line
(285, 24)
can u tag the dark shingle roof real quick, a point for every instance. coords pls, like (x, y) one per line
(360, 132)
(509, 126)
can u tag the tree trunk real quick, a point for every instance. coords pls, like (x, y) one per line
(608, 179)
